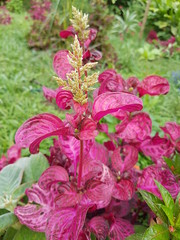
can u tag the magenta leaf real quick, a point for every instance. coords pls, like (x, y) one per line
(49, 94)
(120, 229)
(99, 153)
(124, 158)
(153, 85)
(107, 103)
(13, 153)
(107, 74)
(157, 147)
(99, 226)
(92, 36)
(70, 146)
(135, 129)
(95, 55)
(88, 129)
(173, 130)
(66, 223)
(37, 128)
(123, 190)
(68, 196)
(99, 193)
(35, 216)
(61, 64)
(64, 99)
(69, 32)
(53, 174)
(164, 176)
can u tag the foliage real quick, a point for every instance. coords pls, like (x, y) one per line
(102, 19)
(167, 212)
(15, 6)
(164, 17)
(126, 24)
(89, 187)
(5, 18)
(82, 192)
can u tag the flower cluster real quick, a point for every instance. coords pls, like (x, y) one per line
(89, 187)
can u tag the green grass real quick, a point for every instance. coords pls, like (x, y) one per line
(23, 72)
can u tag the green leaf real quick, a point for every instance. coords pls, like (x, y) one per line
(20, 191)
(177, 206)
(139, 228)
(33, 167)
(10, 179)
(136, 236)
(167, 198)
(178, 221)
(26, 233)
(153, 201)
(6, 221)
(156, 232)
(10, 233)
(169, 214)
(176, 234)
(169, 162)
(177, 164)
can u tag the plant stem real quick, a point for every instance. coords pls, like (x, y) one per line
(80, 164)
(145, 18)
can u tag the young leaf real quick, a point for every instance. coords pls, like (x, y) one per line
(168, 200)
(33, 167)
(153, 202)
(6, 221)
(156, 232)
(178, 221)
(26, 233)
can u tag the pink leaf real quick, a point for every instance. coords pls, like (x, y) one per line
(64, 99)
(95, 55)
(173, 130)
(88, 129)
(13, 153)
(153, 85)
(107, 74)
(92, 36)
(135, 129)
(164, 176)
(70, 146)
(107, 103)
(49, 94)
(68, 196)
(37, 128)
(53, 174)
(99, 226)
(124, 158)
(157, 147)
(61, 64)
(69, 32)
(120, 229)
(99, 153)
(35, 216)
(99, 193)
(66, 223)
(123, 190)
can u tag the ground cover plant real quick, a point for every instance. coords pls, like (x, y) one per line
(84, 189)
